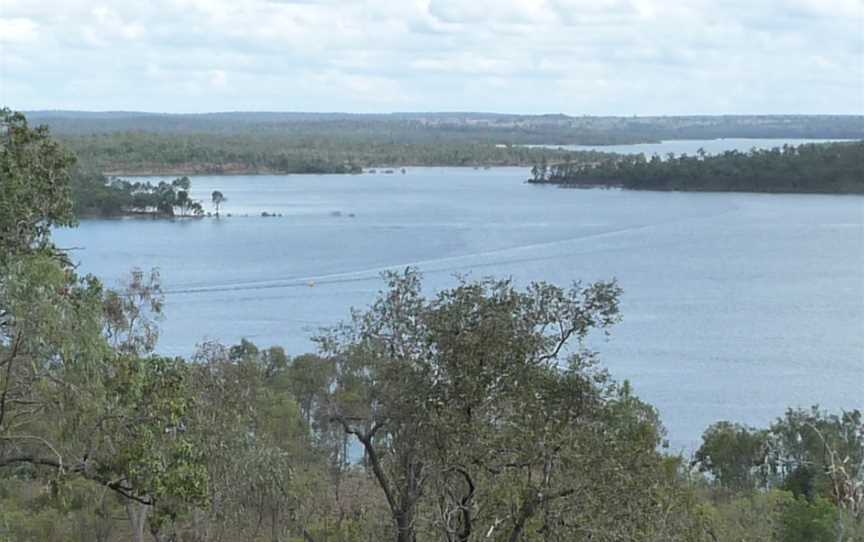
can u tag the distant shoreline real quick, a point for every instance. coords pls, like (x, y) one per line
(819, 168)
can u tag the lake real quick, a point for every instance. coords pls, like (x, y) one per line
(735, 306)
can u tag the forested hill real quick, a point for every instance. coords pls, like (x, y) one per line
(458, 127)
(811, 168)
(145, 153)
(132, 143)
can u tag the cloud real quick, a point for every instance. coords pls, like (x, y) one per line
(573, 56)
(218, 79)
(18, 30)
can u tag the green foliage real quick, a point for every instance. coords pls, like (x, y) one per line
(817, 168)
(34, 512)
(809, 521)
(460, 127)
(822, 454)
(735, 455)
(95, 195)
(136, 153)
(71, 407)
(34, 186)
(747, 517)
(481, 414)
(153, 448)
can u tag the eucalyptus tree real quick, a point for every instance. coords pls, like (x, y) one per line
(263, 468)
(475, 409)
(819, 454)
(218, 199)
(72, 406)
(736, 456)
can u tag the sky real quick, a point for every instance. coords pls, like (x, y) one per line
(579, 57)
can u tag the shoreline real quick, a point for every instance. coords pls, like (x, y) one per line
(620, 186)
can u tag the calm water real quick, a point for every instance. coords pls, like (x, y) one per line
(691, 146)
(735, 306)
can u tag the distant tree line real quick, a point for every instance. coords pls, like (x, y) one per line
(461, 128)
(812, 168)
(162, 144)
(139, 153)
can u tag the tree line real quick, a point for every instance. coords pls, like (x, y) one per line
(477, 413)
(456, 127)
(145, 153)
(163, 144)
(93, 194)
(811, 168)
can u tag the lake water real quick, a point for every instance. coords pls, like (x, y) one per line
(691, 146)
(735, 306)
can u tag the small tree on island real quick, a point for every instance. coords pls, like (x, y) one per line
(218, 198)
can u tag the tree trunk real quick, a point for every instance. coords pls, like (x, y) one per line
(137, 514)
(405, 527)
(525, 513)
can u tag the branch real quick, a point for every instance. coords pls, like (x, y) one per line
(12, 355)
(366, 440)
(529, 507)
(562, 340)
(41, 440)
(114, 485)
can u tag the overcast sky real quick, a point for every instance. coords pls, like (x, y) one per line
(527, 56)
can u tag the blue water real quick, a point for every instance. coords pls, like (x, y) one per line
(736, 306)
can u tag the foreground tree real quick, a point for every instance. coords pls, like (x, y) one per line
(481, 416)
(34, 187)
(72, 407)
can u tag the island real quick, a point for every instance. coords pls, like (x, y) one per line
(809, 168)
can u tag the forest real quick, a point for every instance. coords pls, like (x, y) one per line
(118, 143)
(513, 129)
(810, 168)
(188, 154)
(477, 413)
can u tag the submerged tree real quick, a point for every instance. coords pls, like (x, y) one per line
(218, 199)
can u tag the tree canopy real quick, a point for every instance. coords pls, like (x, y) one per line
(813, 168)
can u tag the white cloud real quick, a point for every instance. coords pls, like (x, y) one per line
(575, 56)
(218, 79)
(18, 30)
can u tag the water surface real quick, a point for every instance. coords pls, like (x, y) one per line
(736, 306)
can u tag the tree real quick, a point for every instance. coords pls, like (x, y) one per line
(218, 199)
(71, 406)
(263, 470)
(810, 521)
(821, 455)
(477, 411)
(816, 168)
(735, 455)
(34, 186)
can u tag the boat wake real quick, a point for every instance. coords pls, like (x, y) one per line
(563, 248)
